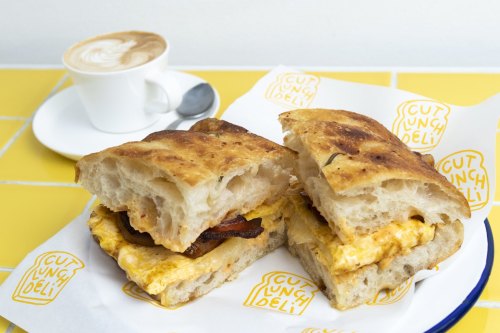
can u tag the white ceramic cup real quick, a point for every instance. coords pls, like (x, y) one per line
(127, 100)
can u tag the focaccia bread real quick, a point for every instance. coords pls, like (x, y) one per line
(361, 177)
(177, 184)
(352, 274)
(173, 278)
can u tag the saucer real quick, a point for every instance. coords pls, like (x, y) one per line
(62, 125)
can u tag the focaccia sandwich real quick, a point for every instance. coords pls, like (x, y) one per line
(184, 211)
(372, 212)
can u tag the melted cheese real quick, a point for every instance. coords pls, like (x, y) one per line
(155, 268)
(266, 210)
(394, 239)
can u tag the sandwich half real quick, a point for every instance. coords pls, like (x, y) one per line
(184, 211)
(372, 212)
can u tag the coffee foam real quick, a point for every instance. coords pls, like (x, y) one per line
(115, 52)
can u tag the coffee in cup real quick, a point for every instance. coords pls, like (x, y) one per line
(115, 51)
(122, 79)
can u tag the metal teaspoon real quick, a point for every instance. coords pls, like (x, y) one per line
(195, 103)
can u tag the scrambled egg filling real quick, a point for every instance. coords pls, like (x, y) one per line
(378, 247)
(154, 268)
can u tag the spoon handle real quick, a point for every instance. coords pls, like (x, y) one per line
(173, 125)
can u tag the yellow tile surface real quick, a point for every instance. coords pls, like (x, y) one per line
(32, 214)
(232, 85)
(7, 129)
(378, 78)
(478, 320)
(18, 330)
(497, 169)
(22, 91)
(458, 89)
(3, 324)
(29, 160)
(3, 276)
(67, 83)
(492, 290)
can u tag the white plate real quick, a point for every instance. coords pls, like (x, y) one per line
(62, 125)
(443, 299)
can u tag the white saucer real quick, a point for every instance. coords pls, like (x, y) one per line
(62, 125)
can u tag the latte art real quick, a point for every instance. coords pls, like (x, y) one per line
(115, 52)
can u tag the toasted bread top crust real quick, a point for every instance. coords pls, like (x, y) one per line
(354, 151)
(211, 148)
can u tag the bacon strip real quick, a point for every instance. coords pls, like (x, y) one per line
(213, 237)
(237, 227)
(206, 242)
(201, 247)
(313, 209)
(131, 235)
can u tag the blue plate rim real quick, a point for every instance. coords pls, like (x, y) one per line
(472, 297)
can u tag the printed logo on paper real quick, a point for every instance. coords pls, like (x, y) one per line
(466, 170)
(421, 123)
(386, 297)
(282, 291)
(132, 290)
(293, 90)
(324, 330)
(44, 281)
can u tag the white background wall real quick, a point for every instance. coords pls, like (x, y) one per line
(266, 32)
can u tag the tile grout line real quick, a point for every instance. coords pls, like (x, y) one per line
(90, 203)
(28, 120)
(405, 69)
(487, 304)
(13, 118)
(394, 79)
(6, 269)
(11, 141)
(10, 328)
(33, 183)
(51, 93)
(496, 203)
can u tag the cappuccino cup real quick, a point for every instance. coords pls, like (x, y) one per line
(121, 79)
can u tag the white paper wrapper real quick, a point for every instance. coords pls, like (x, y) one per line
(69, 285)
